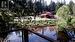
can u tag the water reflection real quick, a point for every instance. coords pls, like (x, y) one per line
(47, 31)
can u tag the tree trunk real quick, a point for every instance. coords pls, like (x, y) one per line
(62, 36)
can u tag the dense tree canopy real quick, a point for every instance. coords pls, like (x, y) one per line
(58, 5)
(38, 7)
(52, 6)
(5, 18)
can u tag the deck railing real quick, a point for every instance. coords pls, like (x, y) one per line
(25, 34)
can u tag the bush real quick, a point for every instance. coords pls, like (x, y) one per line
(63, 11)
(64, 17)
(5, 20)
(61, 23)
(73, 22)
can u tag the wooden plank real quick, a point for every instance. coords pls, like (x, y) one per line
(42, 36)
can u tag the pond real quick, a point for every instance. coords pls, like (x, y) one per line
(47, 31)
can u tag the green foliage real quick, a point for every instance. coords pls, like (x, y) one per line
(63, 11)
(73, 22)
(61, 23)
(73, 9)
(71, 4)
(29, 23)
(64, 19)
(5, 20)
(58, 5)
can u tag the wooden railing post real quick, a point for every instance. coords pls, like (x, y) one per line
(25, 36)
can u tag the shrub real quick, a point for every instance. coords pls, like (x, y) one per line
(63, 11)
(73, 22)
(64, 17)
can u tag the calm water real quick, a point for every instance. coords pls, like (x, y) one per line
(47, 31)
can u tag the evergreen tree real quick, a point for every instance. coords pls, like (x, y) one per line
(58, 5)
(5, 20)
(71, 4)
(52, 6)
(38, 7)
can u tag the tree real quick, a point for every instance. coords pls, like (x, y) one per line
(63, 11)
(71, 4)
(58, 5)
(64, 17)
(64, 22)
(5, 20)
(30, 7)
(73, 9)
(52, 6)
(38, 7)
